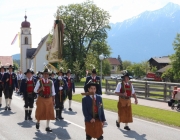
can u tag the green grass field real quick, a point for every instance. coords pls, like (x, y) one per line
(154, 114)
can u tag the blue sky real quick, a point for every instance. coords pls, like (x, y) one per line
(40, 15)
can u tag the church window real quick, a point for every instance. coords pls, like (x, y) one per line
(26, 40)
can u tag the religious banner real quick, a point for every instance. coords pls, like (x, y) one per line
(56, 48)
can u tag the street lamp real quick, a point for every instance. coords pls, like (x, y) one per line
(101, 57)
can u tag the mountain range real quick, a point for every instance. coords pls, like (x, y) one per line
(150, 34)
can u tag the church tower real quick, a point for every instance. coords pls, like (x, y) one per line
(25, 43)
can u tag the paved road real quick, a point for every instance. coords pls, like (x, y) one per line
(13, 126)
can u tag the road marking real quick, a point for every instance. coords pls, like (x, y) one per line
(75, 124)
(143, 120)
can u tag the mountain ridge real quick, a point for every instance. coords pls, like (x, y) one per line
(149, 34)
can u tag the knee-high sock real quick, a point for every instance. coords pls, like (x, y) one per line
(6, 102)
(126, 124)
(0, 100)
(69, 103)
(118, 119)
(47, 123)
(10, 102)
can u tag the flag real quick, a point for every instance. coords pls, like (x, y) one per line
(14, 40)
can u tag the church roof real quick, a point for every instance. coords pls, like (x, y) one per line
(30, 52)
(25, 24)
(6, 60)
(40, 45)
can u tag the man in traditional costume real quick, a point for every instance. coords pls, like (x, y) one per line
(1, 83)
(60, 88)
(71, 87)
(27, 89)
(19, 78)
(93, 112)
(125, 91)
(10, 83)
(52, 76)
(45, 101)
(95, 79)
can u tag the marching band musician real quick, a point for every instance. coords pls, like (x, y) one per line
(19, 78)
(52, 76)
(45, 101)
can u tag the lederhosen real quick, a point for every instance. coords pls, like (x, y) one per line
(44, 103)
(124, 104)
(1, 84)
(8, 91)
(60, 96)
(29, 97)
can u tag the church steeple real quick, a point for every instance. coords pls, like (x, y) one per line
(25, 24)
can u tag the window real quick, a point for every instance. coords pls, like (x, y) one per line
(113, 67)
(26, 40)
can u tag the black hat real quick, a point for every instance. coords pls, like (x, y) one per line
(10, 66)
(68, 71)
(126, 74)
(91, 83)
(60, 71)
(38, 72)
(45, 71)
(2, 67)
(29, 71)
(94, 71)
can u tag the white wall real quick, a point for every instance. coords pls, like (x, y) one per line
(40, 58)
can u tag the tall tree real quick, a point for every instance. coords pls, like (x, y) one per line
(121, 63)
(126, 64)
(85, 32)
(175, 58)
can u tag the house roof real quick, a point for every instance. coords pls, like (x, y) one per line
(30, 52)
(6, 60)
(164, 59)
(40, 45)
(164, 69)
(113, 61)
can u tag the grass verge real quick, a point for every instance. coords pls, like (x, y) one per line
(150, 113)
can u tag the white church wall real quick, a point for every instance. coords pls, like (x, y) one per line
(40, 57)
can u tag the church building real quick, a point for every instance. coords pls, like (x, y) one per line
(32, 57)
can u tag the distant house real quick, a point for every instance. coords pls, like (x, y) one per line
(159, 62)
(6, 61)
(114, 62)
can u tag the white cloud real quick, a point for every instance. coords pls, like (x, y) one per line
(40, 15)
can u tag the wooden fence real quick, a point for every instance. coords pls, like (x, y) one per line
(146, 89)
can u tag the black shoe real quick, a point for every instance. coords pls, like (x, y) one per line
(117, 124)
(37, 125)
(6, 108)
(9, 108)
(70, 109)
(48, 129)
(0, 105)
(29, 115)
(127, 128)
